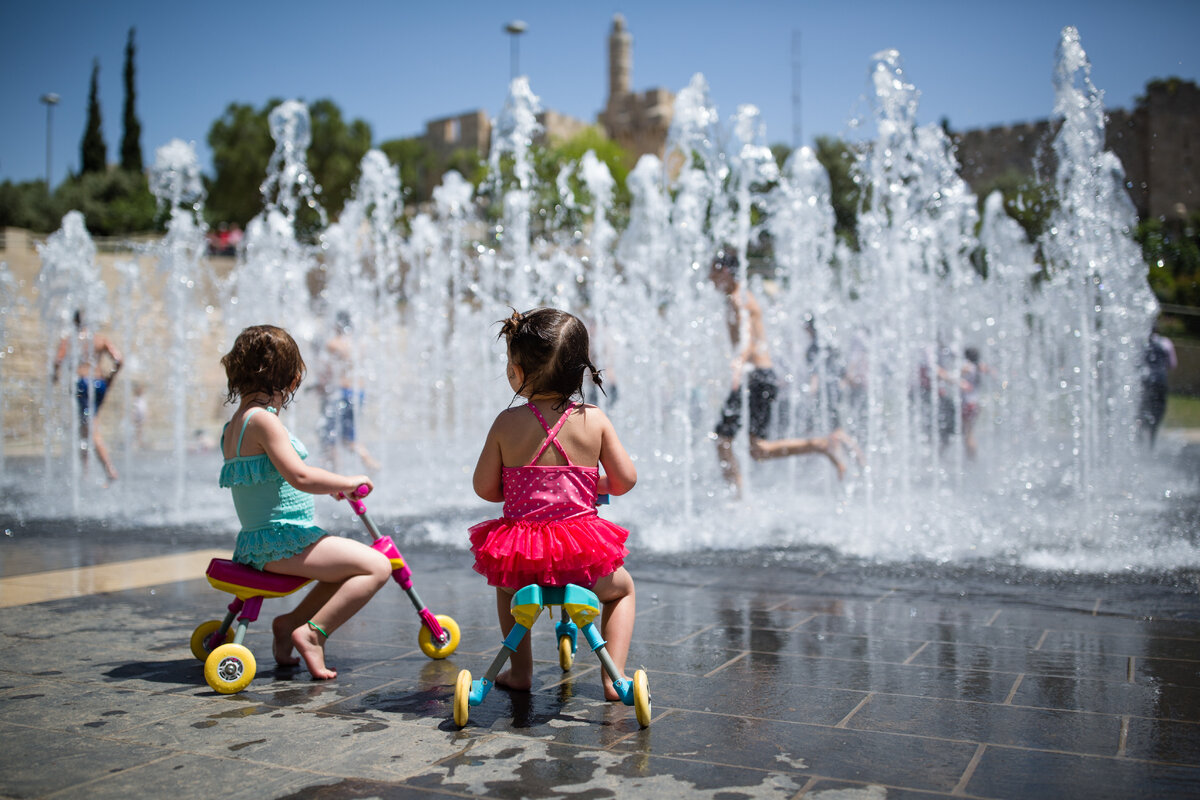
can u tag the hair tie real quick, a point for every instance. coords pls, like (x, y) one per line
(508, 327)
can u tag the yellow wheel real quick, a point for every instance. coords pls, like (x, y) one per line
(641, 697)
(431, 648)
(462, 698)
(229, 668)
(566, 657)
(202, 632)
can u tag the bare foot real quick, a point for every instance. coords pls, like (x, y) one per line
(311, 647)
(831, 452)
(281, 627)
(848, 442)
(506, 680)
(610, 693)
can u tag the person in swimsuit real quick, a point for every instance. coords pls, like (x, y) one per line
(742, 309)
(92, 378)
(341, 396)
(542, 460)
(273, 493)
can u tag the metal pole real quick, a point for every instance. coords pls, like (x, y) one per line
(51, 100)
(514, 29)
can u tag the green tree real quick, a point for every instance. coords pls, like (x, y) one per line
(780, 152)
(466, 161)
(93, 151)
(241, 146)
(418, 166)
(335, 153)
(846, 195)
(114, 202)
(131, 147)
(550, 158)
(1026, 200)
(28, 205)
(1172, 251)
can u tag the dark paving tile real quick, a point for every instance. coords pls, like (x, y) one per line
(910, 761)
(899, 627)
(327, 744)
(958, 655)
(93, 709)
(841, 790)
(989, 723)
(1161, 671)
(186, 775)
(1164, 740)
(749, 698)
(1123, 644)
(812, 644)
(1109, 697)
(511, 767)
(692, 657)
(1101, 624)
(63, 760)
(1018, 773)
(923, 681)
(354, 788)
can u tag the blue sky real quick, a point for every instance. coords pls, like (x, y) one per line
(397, 64)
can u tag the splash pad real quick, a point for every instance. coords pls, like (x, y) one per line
(1059, 482)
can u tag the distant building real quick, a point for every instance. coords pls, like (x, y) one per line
(638, 121)
(473, 131)
(1158, 144)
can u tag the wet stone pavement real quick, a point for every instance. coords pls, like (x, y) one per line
(798, 680)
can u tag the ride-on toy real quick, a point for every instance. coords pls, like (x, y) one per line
(580, 608)
(229, 665)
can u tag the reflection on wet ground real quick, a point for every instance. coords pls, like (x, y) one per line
(770, 678)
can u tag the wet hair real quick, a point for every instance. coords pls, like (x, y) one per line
(263, 358)
(552, 348)
(725, 262)
(971, 354)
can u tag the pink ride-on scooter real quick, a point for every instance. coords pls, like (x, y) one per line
(229, 665)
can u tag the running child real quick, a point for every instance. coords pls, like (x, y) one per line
(542, 461)
(273, 493)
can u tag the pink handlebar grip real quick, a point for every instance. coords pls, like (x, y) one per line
(355, 498)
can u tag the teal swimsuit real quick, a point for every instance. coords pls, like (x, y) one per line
(276, 517)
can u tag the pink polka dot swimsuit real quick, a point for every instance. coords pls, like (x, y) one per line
(550, 532)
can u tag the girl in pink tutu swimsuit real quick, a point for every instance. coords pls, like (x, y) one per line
(541, 460)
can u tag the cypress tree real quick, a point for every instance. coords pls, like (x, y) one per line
(131, 147)
(94, 151)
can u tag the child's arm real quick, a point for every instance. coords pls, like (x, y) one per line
(489, 468)
(620, 475)
(269, 432)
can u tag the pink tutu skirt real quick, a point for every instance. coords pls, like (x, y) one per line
(513, 552)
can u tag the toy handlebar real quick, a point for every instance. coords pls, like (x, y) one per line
(355, 498)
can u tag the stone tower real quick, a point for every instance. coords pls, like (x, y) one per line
(620, 60)
(638, 121)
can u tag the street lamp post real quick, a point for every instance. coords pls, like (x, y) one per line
(51, 100)
(515, 29)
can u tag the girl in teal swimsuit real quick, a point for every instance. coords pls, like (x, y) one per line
(273, 493)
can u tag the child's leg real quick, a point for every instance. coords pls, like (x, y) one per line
(354, 573)
(615, 592)
(283, 625)
(519, 674)
(102, 454)
(762, 450)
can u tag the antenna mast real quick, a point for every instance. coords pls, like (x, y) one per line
(797, 133)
